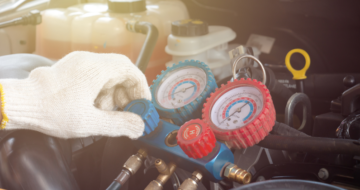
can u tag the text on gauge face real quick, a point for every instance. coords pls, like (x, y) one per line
(237, 107)
(181, 87)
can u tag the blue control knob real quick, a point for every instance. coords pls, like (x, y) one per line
(147, 111)
(181, 90)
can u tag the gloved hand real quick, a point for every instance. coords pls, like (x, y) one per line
(76, 97)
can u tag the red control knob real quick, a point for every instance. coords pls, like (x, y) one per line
(196, 138)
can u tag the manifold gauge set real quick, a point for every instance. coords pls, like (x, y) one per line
(192, 124)
(240, 113)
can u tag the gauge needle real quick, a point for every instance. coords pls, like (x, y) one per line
(237, 110)
(182, 90)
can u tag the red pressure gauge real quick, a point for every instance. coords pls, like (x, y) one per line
(196, 139)
(241, 112)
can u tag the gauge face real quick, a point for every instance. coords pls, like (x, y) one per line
(181, 87)
(237, 107)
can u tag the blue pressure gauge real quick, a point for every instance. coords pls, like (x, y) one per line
(180, 91)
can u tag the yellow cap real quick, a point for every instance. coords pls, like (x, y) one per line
(298, 74)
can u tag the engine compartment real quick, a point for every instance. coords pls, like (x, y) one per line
(323, 151)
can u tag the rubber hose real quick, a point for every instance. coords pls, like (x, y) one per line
(114, 186)
(286, 184)
(311, 144)
(33, 18)
(152, 34)
(285, 130)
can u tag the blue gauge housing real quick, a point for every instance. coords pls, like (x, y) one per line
(191, 110)
(210, 166)
(147, 112)
(159, 140)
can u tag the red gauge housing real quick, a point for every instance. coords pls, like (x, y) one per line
(253, 132)
(196, 138)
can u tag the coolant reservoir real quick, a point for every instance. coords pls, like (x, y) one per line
(99, 27)
(54, 34)
(194, 39)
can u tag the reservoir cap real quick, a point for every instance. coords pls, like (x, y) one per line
(189, 27)
(127, 6)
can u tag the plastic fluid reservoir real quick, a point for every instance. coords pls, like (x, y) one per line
(101, 27)
(194, 39)
(54, 33)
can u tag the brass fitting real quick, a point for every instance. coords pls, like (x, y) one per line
(197, 176)
(131, 166)
(165, 170)
(237, 174)
(188, 184)
(191, 183)
(123, 177)
(134, 162)
(162, 178)
(154, 185)
(162, 167)
(142, 153)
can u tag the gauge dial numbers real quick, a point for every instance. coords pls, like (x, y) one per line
(240, 113)
(181, 87)
(180, 91)
(237, 107)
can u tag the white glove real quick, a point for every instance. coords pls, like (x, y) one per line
(76, 97)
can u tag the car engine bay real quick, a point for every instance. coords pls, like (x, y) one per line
(246, 94)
